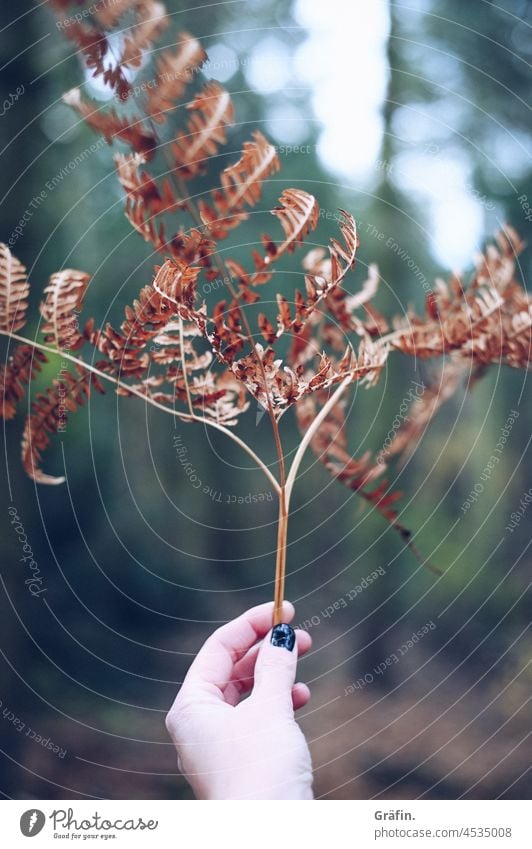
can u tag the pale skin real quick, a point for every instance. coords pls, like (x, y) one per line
(232, 747)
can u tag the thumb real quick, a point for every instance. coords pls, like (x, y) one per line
(275, 668)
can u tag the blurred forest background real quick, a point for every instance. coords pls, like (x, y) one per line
(416, 118)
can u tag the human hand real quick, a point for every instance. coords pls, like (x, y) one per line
(250, 749)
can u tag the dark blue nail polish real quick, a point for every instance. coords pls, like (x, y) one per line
(283, 636)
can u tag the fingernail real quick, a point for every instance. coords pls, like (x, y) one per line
(283, 636)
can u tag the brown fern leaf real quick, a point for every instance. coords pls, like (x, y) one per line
(92, 42)
(340, 303)
(243, 282)
(241, 185)
(212, 111)
(23, 365)
(64, 298)
(465, 324)
(111, 126)
(172, 292)
(166, 348)
(109, 14)
(144, 320)
(330, 445)
(344, 306)
(218, 396)
(331, 272)
(193, 248)
(228, 336)
(425, 401)
(486, 321)
(320, 287)
(298, 212)
(517, 351)
(176, 282)
(14, 291)
(139, 185)
(145, 199)
(223, 398)
(49, 416)
(175, 71)
(477, 328)
(95, 50)
(151, 21)
(286, 385)
(497, 266)
(260, 371)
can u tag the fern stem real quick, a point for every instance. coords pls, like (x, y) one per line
(184, 366)
(280, 566)
(286, 493)
(186, 417)
(282, 531)
(303, 445)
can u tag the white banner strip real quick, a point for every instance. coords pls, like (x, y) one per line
(350, 824)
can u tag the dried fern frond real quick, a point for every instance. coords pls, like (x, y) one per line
(424, 406)
(148, 315)
(150, 22)
(95, 51)
(174, 71)
(218, 396)
(517, 349)
(198, 359)
(14, 291)
(146, 201)
(145, 198)
(260, 370)
(298, 212)
(345, 307)
(23, 365)
(212, 111)
(330, 446)
(64, 298)
(187, 374)
(241, 185)
(285, 385)
(111, 126)
(496, 267)
(109, 14)
(176, 282)
(486, 321)
(49, 415)
(319, 287)
(328, 273)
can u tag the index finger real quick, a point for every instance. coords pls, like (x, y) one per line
(213, 665)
